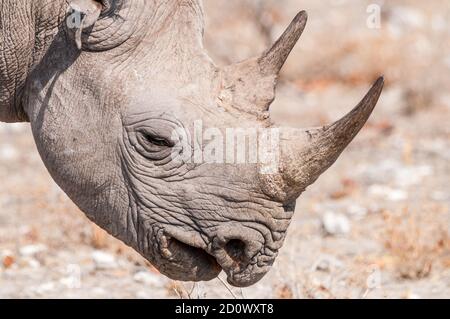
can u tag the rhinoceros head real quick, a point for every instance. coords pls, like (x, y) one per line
(171, 154)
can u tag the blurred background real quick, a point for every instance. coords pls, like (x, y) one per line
(376, 225)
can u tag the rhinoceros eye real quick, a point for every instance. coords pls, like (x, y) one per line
(157, 140)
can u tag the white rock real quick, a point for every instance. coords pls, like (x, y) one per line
(147, 278)
(32, 250)
(397, 195)
(388, 193)
(5, 253)
(413, 175)
(315, 282)
(395, 172)
(336, 224)
(143, 295)
(98, 291)
(24, 229)
(104, 260)
(327, 263)
(440, 196)
(412, 295)
(357, 211)
(31, 262)
(72, 280)
(8, 152)
(44, 288)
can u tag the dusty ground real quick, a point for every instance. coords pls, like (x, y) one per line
(377, 224)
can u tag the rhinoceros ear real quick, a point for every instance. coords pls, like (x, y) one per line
(82, 16)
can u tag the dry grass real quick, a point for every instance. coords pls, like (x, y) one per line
(178, 290)
(284, 292)
(416, 243)
(99, 237)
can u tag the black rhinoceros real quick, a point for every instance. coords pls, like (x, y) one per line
(113, 89)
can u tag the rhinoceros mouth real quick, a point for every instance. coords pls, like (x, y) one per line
(205, 262)
(182, 261)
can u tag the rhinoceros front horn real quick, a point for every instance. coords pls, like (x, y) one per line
(307, 153)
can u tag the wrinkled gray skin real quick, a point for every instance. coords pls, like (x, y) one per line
(103, 99)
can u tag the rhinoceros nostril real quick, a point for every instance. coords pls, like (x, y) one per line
(235, 248)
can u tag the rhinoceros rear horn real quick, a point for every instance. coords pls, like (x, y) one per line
(253, 81)
(273, 60)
